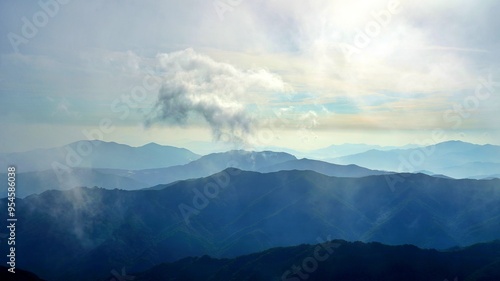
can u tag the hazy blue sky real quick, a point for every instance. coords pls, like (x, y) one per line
(298, 74)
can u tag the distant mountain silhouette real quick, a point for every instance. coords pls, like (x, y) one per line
(206, 166)
(335, 151)
(266, 161)
(99, 154)
(323, 168)
(452, 158)
(87, 232)
(339, 260)
(487, 177)
(473, 170)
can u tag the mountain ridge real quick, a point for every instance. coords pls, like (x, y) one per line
(439, 158)
(98, 154)
(374, 261)
(236, 212)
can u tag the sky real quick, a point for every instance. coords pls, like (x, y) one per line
(211, 75)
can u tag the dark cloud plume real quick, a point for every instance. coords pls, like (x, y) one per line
(197, 87)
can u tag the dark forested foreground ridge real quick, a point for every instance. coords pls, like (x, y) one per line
(19, 275)
(330, 260)
(340, 261)
(83, 233)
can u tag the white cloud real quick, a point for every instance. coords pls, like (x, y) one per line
(196, 86)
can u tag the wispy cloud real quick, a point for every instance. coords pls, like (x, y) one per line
(196, 86)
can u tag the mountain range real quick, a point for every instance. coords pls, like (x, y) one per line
(265, 161)
(350, 171)
(453, 158)
(89, 231)
(335, 151)
(329, 260)
(341, 261)
(98, 154)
